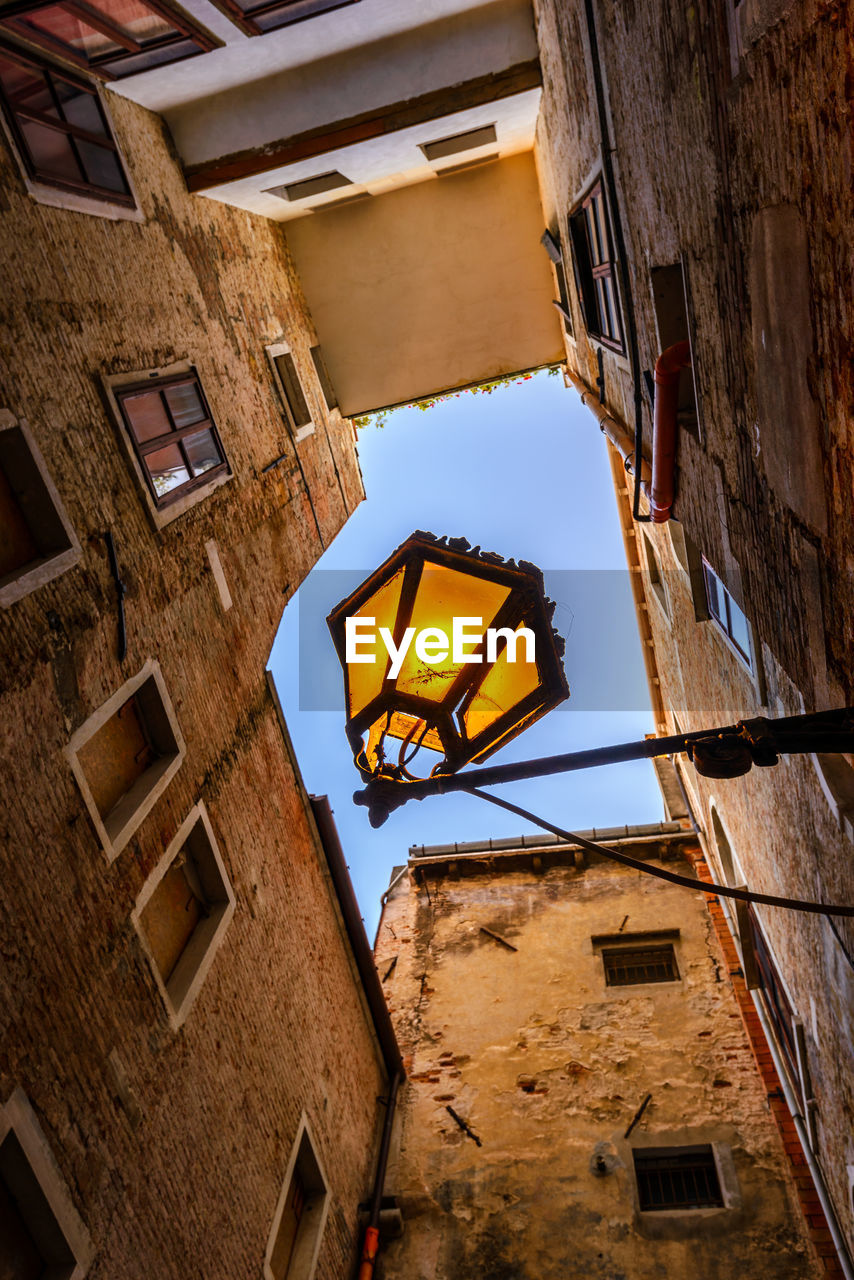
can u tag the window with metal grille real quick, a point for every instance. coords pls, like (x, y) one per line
(727, 614)
(628, 966)
(60, 129)
(111, 38)
(173, 435)
(595, 275)
(257, 16)
(677, 1178)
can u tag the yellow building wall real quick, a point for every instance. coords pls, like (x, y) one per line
(431, 287)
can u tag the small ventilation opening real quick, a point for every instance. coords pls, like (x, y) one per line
(677, 1178)
(309, 187)
(458, 142)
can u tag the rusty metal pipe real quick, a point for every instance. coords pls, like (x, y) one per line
(668, 367)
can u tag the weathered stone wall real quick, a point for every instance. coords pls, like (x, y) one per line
(548, 1066)
(732, 154)
(174, 1145)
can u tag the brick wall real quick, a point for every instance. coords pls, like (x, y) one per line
(174, 1144)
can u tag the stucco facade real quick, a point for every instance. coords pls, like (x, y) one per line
(535, 1083)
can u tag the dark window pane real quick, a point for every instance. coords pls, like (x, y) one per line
(146, 415)
(26, 88)
(167, 469)
(81, 108)
(135, 19)
(101, 166)
(300, 416)
(202, 452)
(677, 1179)
(51, 152)
(185, 404)
(56, 22)
(630, 966)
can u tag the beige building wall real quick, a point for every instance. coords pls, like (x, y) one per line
(432, 287)
(529, 1073)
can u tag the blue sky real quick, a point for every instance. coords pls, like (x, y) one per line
(522, 471)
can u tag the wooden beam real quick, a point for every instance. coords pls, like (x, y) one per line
(361, 128)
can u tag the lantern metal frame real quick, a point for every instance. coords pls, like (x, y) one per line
(526, 605)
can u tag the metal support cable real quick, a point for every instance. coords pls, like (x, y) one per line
(743, 895)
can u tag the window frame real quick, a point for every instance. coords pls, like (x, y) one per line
(116, 828)
(724, 628)
(88, 197)
(594, 260)
(710, 1164)
(36, 573)
(180, 989)
(300, 9)
(49, 1203)
(199, 487)
(302, 431)
(13, 20)
(646, 940)
(551, 242)
(305, 1251)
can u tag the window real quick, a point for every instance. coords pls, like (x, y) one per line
(37, 542)
(125, 755)
(629, 966)
(257, 16)
(324, 379)
(112, 38)
(774, 994)
(173, 436)
(293, 398)
(677, 1178)
(594, 269)
(653, 568)
(300, 1215)
(60, 129)
(183, 912)
(728, 615)
(551, 243)
(41, 1233)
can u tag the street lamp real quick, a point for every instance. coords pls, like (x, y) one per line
(423, 669)
(466, 703)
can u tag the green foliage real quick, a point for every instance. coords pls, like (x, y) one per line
(381, 417)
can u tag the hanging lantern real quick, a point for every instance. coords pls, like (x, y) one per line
(450, 649)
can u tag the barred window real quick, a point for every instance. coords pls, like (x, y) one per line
(677, 1178)
(628, 966)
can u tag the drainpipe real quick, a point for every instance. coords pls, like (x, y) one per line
(372, 1231)
(668, 367)
(613, 430)
(833, 1227)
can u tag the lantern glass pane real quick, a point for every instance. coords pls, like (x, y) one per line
(444, 594)
(504, 687)
(365, 679)
(385, 738)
